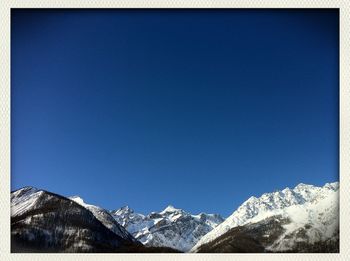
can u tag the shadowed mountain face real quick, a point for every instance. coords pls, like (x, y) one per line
(252, 238)
(260, 236)
(305, 203)
(305, 219)
(106, 219)
(45, 222)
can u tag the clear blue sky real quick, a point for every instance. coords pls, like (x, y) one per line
(196, 108)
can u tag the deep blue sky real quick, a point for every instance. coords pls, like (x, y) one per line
(196, 108)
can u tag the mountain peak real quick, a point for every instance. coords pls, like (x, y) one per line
(172, 227)
(252, 199)
(78, 200)
(306, 187)
(127, 209)
(170, 208)
(303, 185)
(25, 189)
(29, 188)
(85, 224)
(268, 204)
(332, 186)
(124, 209)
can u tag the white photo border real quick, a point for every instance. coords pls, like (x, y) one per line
(344, 123)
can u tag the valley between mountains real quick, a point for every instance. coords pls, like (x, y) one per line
(304, 219)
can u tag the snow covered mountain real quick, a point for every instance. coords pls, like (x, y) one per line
(306, 209)
(105, 218)
(302, 219)
(171, 227)
(42, 221)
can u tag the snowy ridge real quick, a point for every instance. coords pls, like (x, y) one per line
(24, 200)
(295, 219)
(105, 218)
(42, 221)
(28, 198)
(319, 215)
(171, 227)
(302, 200)
(130, 220)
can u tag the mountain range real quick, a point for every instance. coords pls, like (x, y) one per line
(305, 215)
(302, 219)
(171, 227)
(42, 221)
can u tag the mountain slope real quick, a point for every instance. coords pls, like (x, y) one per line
(303, 219)
(309, 210)
(105, 218)
(171, 227)
(260, 238)
(42, 221)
